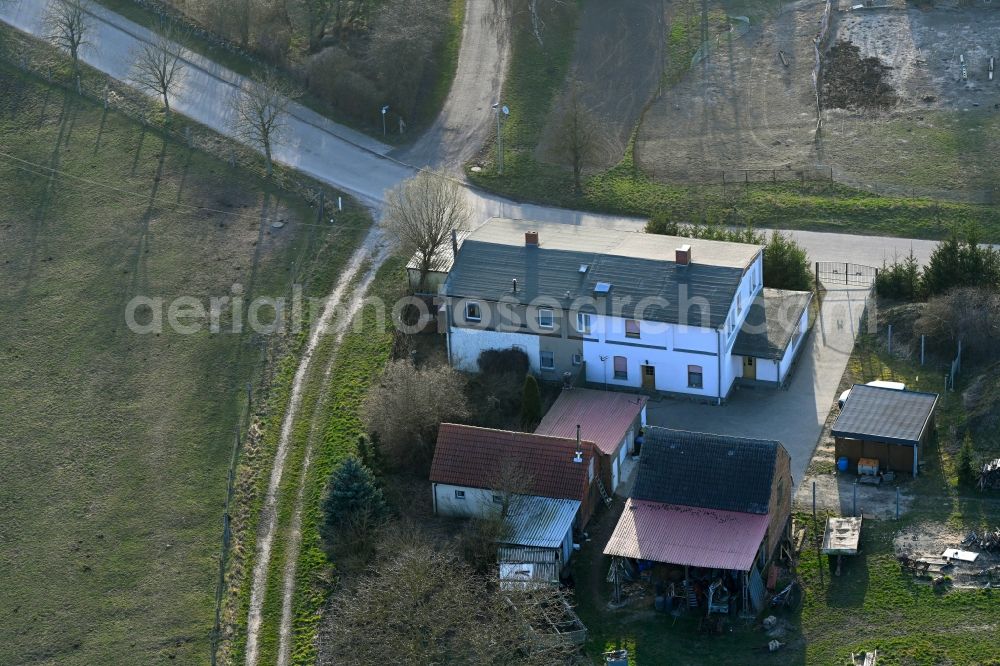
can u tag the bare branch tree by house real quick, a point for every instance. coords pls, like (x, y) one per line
(260, 109)
(158, 65)
(405, 413)
(421, 604)
(421, 213)
(576, 135)
(67, 25)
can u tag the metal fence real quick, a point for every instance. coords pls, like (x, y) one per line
(775, 175)
(846, 273)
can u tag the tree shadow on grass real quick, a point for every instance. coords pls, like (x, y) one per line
(40, 218)
(100, 131)
(138, 149)
(137, 264)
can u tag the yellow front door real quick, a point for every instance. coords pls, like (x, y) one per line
(648, 378)
(749, 368)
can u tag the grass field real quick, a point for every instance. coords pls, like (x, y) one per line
(115, 445)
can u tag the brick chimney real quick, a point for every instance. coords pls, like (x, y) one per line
(683, 255)
(531, 238)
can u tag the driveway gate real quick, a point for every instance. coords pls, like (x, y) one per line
(836, 272)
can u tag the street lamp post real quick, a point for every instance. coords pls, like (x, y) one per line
(505, 110)
(385, 109)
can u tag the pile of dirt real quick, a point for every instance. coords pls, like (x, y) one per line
(852, 82)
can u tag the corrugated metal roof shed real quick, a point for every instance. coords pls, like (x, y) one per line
(885, 414)
(772, 320)
(528, 575)
(541, 522)
(604, 417)
(706, 470)
(687, 535)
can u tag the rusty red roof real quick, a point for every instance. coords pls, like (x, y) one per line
(482, 457)
(686, 535)
(604, 417)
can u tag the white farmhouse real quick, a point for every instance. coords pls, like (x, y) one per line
(624, 309)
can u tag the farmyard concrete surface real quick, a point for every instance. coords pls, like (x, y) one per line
(794, 416)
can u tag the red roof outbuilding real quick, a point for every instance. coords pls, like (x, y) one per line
(604, 417)
(688, 535)
(482, 457)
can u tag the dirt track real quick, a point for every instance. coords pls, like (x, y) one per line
(740, 108)
(466, 118)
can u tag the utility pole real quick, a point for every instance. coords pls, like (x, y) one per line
(385, 109)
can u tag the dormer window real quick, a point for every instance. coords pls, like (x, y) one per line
(631, 328)
(582, 322)
(545, 318)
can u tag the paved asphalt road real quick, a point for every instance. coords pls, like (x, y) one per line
(362, 166)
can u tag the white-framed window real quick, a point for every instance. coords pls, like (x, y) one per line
(473, 312)
(545, 318)
(621, 367)
(459, 494)
(547, 360)
(631, 328)
(696, 378)
(583, 322)
(739, 304)
(577, 359)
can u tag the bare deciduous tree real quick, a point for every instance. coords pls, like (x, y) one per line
(420, 215)
(405, 408)
(577, 135)
(424, 605)
(969, 315)
(260, 112)
(67, 24)
(158, 64)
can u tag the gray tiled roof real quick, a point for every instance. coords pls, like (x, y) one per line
(707, 471)
(486, 270)
(885, 414)
(770, 323)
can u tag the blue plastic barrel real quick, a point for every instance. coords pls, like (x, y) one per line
(842, 463)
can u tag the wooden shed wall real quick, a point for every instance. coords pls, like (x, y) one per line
(897, 457)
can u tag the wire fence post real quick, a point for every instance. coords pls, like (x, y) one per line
(890, 340)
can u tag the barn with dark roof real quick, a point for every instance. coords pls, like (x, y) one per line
(714, 505)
